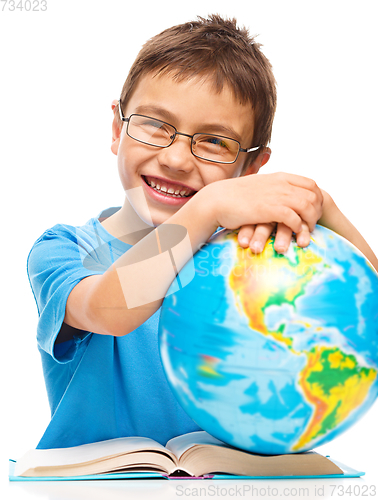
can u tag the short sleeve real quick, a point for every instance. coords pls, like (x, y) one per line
(59, 259)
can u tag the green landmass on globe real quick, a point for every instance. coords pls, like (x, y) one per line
(274, 353)
(328, 372)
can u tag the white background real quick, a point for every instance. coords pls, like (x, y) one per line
(60, 70)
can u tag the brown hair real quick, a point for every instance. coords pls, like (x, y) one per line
(215, 48)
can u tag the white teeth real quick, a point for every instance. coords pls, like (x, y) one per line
(164, 189)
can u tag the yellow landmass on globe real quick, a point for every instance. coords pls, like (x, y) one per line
(261, 280)
(335, 384)
(207, 371)
(207, 366)
(332, 381)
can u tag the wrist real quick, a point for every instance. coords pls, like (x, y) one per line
(206, 206)
(329, 215)
(198, 217)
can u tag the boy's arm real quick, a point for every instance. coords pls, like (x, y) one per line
(335, 220)
(97, 304)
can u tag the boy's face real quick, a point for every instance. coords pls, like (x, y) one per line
(191, 106)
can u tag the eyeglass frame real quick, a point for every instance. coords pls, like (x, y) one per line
(240, 150)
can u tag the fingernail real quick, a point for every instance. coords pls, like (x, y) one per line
(303, 242)
(244, 241)
(280, 246)
(257, 247)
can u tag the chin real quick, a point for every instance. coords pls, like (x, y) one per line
(158, 217)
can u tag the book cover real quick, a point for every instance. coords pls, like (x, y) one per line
(348, 473)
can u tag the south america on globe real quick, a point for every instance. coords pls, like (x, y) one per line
(273, 353)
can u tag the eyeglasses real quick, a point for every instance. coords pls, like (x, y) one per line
(209, 147)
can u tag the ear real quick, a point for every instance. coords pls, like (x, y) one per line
(116, 129)
(258, 162)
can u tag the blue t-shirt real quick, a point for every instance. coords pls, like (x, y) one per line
(99, 386)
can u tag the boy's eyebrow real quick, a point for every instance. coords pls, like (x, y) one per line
(169, 117)
(150, 108)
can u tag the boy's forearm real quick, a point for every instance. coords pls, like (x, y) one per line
(335, 220)
(133, 288)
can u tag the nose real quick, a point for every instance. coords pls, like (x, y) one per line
(178, 155)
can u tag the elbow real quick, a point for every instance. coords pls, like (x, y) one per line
(107, 320)
(104, 316)
(108, 312)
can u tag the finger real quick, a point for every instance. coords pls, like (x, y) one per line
(306, 205)
(304, 236)
(261, 236)
(303, 193)
(309, 216)
(283, 238)
(306, 183)
(286, 215)
(245, 234)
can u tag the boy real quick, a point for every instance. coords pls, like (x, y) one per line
(192, 124)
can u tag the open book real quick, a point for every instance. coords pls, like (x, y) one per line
(194, 454)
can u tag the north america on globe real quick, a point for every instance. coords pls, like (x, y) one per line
(328, 372)
(274, 353)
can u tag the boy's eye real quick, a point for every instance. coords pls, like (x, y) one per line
(155, 127)
(152, 123)
(213, 141)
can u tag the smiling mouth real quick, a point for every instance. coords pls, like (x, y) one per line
(168, 189)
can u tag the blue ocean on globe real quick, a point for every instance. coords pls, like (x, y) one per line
(273, 353)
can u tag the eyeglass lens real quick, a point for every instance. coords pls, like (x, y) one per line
(158, 133)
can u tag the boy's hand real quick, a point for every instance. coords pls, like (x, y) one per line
(259, 203)
(256, 236)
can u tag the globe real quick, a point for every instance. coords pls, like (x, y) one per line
(273, 353)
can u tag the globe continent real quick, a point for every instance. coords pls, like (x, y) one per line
(273, 353)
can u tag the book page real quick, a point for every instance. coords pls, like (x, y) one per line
(84, 453)
(200, 453)
(180, 444)
(138, 460)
